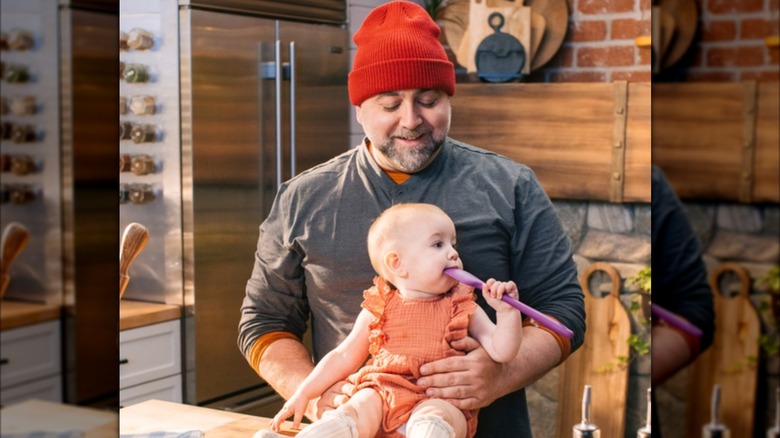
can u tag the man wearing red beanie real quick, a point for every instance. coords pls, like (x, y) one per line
(312, 265)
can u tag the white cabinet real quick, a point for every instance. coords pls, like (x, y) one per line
(150, 363)
(30, 363)
(168, 389)
(48, 388)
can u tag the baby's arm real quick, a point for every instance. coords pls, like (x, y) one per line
(500, 340)
(335, 366)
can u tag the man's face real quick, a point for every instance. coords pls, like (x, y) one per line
(406, 128)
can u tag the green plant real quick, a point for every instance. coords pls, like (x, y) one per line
(642, 279)
(639, 346)
(772, 280)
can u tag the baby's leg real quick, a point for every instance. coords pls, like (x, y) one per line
(436, 418)
(359, 417)
(365, 407)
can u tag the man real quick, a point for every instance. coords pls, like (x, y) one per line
(312, 261)
(679, 285)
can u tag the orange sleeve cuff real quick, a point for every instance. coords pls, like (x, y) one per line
(261, 344)
(694, 343)
(563, 343)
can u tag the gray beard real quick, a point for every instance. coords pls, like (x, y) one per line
(409, 160)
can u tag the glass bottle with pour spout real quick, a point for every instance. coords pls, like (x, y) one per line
(715, 429)
(586, 429)
(644, 431)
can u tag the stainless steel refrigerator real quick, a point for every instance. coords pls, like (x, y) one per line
(261, 97)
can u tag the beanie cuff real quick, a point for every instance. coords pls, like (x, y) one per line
(400, 74)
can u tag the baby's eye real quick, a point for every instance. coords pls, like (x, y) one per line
(438, 244)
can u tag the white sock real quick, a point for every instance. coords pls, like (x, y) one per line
(266, 434)
(429, 426)
(333, 424)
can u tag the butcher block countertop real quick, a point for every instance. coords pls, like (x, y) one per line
(44, 418)
(156, 416)
(134, 314)
(20, 313)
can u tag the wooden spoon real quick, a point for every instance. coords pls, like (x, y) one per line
(15, 238)
(134, 240)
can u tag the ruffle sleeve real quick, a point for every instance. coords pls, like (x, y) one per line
(374, 300)
(463, 305)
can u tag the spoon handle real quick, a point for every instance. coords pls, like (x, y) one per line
(675, 320)
(542, 319)
(539, 317)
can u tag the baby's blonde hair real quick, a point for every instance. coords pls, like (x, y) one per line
(392, 225)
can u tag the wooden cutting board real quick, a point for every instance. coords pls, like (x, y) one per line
(596, 362)
(549, 22)
(728, 361)
(517, 22)
(246, 427)
(556, 23)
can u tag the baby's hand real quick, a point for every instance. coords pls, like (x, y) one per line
(295, 406)
(493, 291)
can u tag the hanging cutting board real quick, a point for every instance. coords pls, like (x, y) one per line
(549, 22)
(597, 362)
(556, 22)
(517, 22)
(683, 17)
(729, 362)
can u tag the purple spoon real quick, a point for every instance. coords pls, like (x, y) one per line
(469, 279)
(675, 320)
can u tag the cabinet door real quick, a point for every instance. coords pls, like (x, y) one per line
(149, 353)
(49, 389)
(29, 353)
(167, 389)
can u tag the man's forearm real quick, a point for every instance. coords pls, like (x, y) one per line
(539, 353)
(284, 365)
(669, 353)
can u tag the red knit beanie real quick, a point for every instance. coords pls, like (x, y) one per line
(398, 49)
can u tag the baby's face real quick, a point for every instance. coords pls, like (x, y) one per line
(426, 250)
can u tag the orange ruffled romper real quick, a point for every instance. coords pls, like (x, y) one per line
(405, 334)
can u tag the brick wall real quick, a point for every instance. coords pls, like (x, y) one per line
(730, 43)
(600, 43)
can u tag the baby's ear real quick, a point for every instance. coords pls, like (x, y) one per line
(392, 261)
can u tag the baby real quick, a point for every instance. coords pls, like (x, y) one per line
(409, 318)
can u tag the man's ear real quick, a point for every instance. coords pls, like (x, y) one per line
(359, 115)
(392, 262)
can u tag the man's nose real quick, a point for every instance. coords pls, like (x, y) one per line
(410, 116)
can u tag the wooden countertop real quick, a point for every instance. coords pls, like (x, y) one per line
(155, 415)
(44, 416)
(20, 313)
(133, 314)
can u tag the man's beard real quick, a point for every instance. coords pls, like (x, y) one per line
(410, 160)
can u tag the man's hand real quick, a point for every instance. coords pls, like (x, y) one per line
(468, 382)
(335, 396)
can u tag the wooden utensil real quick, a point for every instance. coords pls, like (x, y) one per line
(134, 239)
(556, 23)
(598, 361)
(549, 23)
(538, 24)
(729, 362)
(15, 238)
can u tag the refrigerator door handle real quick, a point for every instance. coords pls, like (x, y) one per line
(278, 83)
(292, 109)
